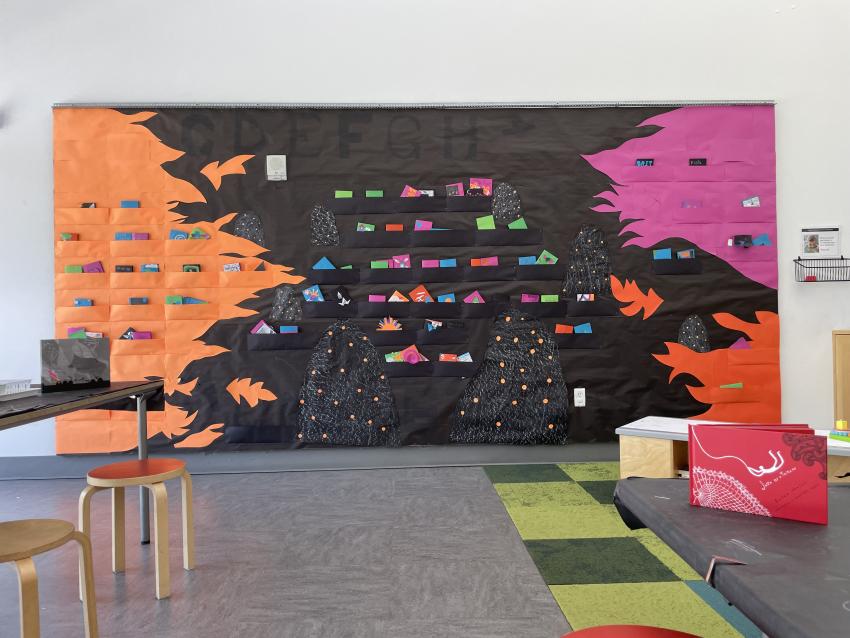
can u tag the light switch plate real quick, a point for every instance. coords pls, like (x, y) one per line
(276, 168)
(579, 397)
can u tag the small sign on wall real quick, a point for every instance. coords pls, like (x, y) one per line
(276, 168)
(821, 243)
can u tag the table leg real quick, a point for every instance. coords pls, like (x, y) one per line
(144, 497)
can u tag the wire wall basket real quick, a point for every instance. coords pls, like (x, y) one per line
(822, 269)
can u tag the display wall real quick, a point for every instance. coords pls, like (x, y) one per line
(682, 337)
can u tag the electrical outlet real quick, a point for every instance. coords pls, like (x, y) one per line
(579, 397)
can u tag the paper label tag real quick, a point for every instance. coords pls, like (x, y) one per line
(647, 161)
(698, 161)
(276, 168)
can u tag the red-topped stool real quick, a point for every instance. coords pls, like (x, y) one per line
(152, 474)
(627, 631)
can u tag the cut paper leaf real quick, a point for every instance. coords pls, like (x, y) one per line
(518, 224)
(740, 344)
(253, 393)
(388, 324)
(638, 300)
(397, 296)
(234, 166)
(324, 264)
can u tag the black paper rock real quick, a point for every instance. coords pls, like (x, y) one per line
(248, 225)
(518, 395)
(506, 203)
(588, 264)
(694, 335)
(323, 230)
(286, 305)
(346, 398)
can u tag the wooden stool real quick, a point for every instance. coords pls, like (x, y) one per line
(20, 541)
(627, 631)
(152, 474)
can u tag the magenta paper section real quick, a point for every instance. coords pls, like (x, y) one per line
(701, 204)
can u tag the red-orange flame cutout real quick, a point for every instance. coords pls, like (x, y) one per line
(253, 393)
(202, 438)
(234, 166)
(757, 367)
(638, 300)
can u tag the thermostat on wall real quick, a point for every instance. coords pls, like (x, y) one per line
(276, 168)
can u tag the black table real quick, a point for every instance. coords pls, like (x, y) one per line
(17, 412)
(796, 580)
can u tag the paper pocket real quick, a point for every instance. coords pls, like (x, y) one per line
(140, 312)
(81, 315)
(247, 279)
(61, 328)
(81, 216)
(90, 249)
(135, 347)
(136, 248)
(190, 247)
(136, 280)
(81, 281)
(137, 216)
(137, 367)
(191, 279)
(191, 311)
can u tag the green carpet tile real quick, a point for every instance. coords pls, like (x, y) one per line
(599, 571)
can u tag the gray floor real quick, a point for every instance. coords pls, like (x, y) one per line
(426, 552)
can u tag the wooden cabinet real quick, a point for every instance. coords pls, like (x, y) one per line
(841, 373)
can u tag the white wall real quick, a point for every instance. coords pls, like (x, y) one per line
(436, 50)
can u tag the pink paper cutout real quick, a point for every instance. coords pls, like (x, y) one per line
(738, 143)
(740, 344)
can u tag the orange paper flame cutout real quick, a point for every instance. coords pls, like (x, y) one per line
(253, 393)
(202, 438)
(631, 293)
(757, 367)
(234, 166)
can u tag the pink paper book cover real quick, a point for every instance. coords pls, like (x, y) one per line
(422, 224)
(527, 298)
(486, 185)
(377, 298)
(409, 191)
(401, 261)
(430, 263)
(768, 470)
(489, 261)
